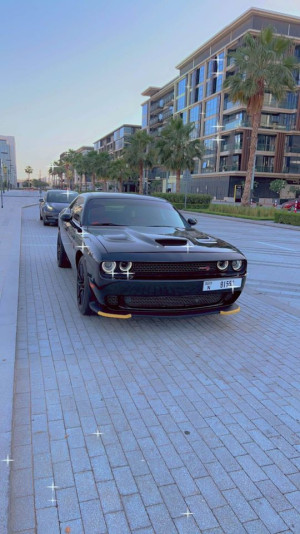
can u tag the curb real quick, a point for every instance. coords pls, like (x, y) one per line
(249, 221)
(10, 239)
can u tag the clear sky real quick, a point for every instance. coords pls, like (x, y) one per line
(73, 70)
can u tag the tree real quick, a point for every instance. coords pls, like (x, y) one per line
(136, 154)
(277, 186)
(68, 161)
(176, 150)
(102, 166)
(29, 171)
(117, 171)
(263, 64)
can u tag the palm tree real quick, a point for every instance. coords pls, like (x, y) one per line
(68, 160)
(176, 151)
(136, 154)
(103, 161)
(29, 171)
(118, 170)
(263, 64)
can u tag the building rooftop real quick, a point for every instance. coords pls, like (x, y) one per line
(220, 36)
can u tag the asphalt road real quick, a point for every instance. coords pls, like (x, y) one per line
(273, 255)
(155, 426)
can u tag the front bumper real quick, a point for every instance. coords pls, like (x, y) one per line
(51, 217)
(123, 299)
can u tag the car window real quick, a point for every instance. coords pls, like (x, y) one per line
(76, 209)
(65, 197)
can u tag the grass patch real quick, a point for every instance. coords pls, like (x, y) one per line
(245, 212)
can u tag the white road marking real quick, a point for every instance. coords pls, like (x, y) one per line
(276, 246)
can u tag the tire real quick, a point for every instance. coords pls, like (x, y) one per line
(62, 258)
(84, 293)
(41, 218)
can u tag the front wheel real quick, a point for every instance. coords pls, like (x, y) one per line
(44, 221)
(84, 293)
(62, 258)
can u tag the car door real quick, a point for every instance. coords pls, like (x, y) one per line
(72, 238)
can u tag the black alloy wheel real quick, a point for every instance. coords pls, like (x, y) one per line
(62, 258)
(84, 293)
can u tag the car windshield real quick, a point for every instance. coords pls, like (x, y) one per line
(61, 196)
(131, 212)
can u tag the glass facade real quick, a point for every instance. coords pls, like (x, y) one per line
(292, 143)
(281, 121)
(266, 142)
(181, 94)
(195, 114)
(291, 165)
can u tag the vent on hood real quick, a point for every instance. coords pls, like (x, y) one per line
(171, 242)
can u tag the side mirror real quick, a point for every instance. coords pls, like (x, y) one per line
(192, 222)
(66, 216)
(41, 200)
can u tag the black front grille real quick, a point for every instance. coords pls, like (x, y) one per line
(168, 301)
(174, 271)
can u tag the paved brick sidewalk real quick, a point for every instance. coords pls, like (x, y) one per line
(195, 415)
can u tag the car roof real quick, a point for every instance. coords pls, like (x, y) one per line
(121, 195)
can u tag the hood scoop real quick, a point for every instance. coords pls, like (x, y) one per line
(118, 237)
(171, 242)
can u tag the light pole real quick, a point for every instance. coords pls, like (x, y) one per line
(1, 181)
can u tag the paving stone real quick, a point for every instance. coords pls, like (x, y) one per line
(92, 517)
(201, 512)
(268, 516)
(68, 506)
(124, 480)
(109, 496)
(85, 484)
(135, 511)
(210, 492)
(117, 523)
(161, 520)
(47, 520)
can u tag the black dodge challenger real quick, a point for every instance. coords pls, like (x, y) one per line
(137, 255)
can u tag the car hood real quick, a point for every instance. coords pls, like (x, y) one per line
(160, 239)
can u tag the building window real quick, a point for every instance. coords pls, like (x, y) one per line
(195, 118)
(212, 107)
(181, 94)
(210, 126)
(291, 165)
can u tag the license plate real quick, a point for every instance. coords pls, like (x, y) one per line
(215, 285)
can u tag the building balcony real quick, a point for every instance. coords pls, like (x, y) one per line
(230, 147)
(264, 168)
(292, 150)
(291, 170)
(265, 148)
(226, 168)
(233, 125)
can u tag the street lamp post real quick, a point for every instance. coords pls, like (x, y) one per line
(1, 181)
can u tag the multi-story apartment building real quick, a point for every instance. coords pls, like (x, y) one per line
(117, 140)
(224, 127)
(8, 159)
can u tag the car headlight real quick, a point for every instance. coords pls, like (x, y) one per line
(237, 265)
(48, 207)
(222, 265)
(125, 266)
(108, 266)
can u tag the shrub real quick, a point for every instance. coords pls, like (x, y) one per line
(281, 216)
(192, 200)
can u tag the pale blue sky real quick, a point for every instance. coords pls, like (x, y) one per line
(73, 70)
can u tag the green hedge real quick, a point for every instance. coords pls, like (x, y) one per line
(287, 217)
(192, 200)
